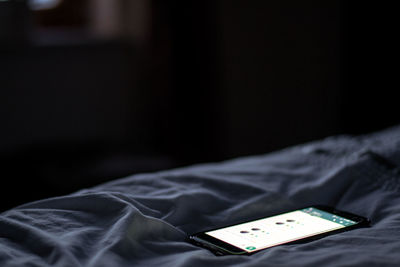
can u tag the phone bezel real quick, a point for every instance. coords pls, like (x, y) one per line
(220, 247)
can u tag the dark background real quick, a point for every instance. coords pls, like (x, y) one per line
(179, 82)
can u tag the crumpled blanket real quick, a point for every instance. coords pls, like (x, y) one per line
(144, 220)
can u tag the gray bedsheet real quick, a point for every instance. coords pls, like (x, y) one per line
(143, 220)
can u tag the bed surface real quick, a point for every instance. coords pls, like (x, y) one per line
(143, 220)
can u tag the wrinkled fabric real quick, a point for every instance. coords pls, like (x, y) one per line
(144, 220)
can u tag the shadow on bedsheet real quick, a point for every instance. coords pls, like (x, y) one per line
(38, 173)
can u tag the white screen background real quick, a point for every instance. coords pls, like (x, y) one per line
(276, 230)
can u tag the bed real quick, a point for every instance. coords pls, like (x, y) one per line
(144, 220)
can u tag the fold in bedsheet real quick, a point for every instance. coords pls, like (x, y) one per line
(143, 220)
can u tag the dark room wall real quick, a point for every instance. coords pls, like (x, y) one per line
(256, 76)
(200, 81)
(281, 72)
(64, 93)
(71, 116)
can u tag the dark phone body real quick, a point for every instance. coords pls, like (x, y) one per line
(220, 247)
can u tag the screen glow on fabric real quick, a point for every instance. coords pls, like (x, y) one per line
(280, 229)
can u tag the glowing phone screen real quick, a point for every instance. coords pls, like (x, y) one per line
(280, 229)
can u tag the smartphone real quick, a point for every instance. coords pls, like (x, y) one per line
(296, 226)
